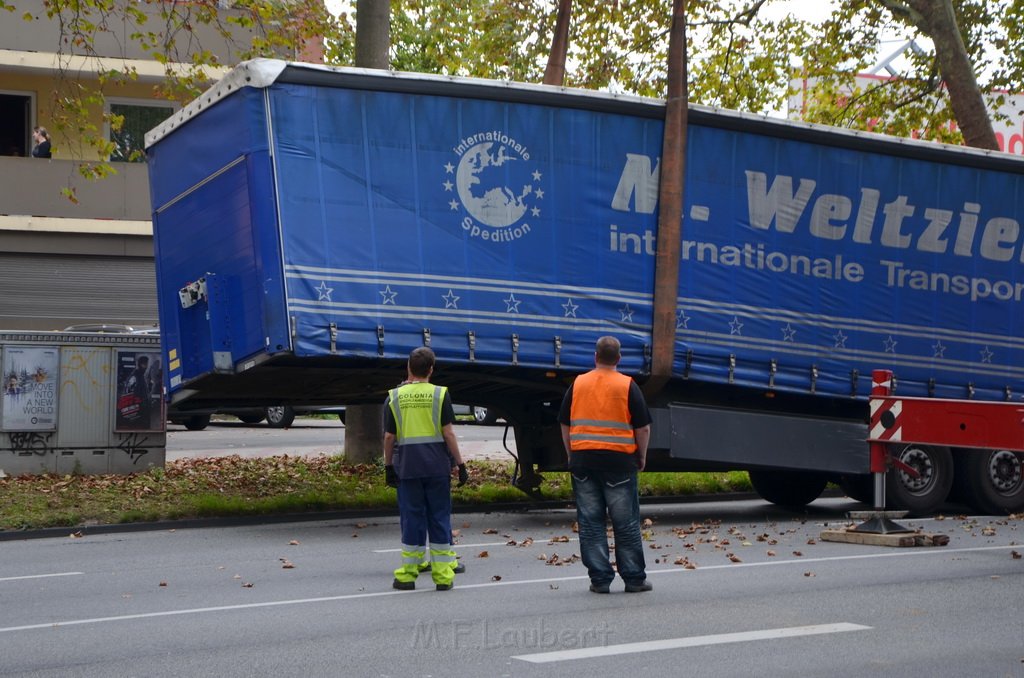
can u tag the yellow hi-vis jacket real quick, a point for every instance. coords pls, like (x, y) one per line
(420, 451)
(599, 416)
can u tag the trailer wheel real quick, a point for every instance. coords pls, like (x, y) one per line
(859, 487)
(280, 417)
(197, 422)
(994, 480)
(927, 492)
(792, 489)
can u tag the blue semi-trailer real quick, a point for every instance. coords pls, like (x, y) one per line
(312, 225)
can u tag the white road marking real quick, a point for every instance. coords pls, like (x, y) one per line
(937, 551)
(693, 641)
(41, 576)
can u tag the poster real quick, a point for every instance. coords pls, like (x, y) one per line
(29, 388)
(139, 395)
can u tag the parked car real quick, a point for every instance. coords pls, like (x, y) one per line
(276, 416)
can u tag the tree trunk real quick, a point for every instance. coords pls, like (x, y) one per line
(373, 33)
(936, 19)
(670, 207)
(554, 74)
(364, 433)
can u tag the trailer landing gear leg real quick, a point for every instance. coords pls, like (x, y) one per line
(879, 521)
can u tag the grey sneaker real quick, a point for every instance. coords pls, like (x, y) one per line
(600, 588)
(640, 587)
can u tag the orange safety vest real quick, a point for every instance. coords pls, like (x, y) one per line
(599, 415)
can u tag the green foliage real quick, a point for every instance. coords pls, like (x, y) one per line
(234, 486)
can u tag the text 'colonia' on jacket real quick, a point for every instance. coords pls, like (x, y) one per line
(421, 451)
(599, 416)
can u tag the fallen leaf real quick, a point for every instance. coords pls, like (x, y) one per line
(771, 553)
(360, 525)
(559, 540)
(293, 542)
(553, 587)
(354, 535)
(526, 542)
(511, 542)
(1015, 555)
(988, 532)
(75, 535)
(797, 553)
(237, 576)
(490, 530)
(809, 574)
(246, 585)
(496, 577)
(483, 554)
(812, 541)
(542, 556)
(648, 522)
(163, 583)
(734, 558)
(457, 533)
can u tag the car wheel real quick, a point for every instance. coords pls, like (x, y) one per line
(280, 416)
(197, 422)
(484, 416)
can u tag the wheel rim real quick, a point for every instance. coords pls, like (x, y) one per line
(275, 414)
(479, 413)
(1005, 472)
(919, 460)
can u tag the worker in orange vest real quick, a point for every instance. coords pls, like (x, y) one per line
(605, 429)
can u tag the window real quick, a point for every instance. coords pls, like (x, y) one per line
(130, 140)
(15, 123)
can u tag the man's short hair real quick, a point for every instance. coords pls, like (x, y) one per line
(421, 361)
(608, 351)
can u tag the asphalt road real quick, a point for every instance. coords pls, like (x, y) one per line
(314, 599)
(308, 437)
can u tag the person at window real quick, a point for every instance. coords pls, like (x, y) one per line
(42, 143)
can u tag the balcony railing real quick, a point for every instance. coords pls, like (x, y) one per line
(33, 187)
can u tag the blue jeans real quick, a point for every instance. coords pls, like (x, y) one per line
(600, 495)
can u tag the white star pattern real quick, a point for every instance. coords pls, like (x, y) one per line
(682, 319)
(536, 175)
(986, 355)
(324, 291)
(570, 308)
(449, 168)
(788, 332)
(627, 314)
(539, 193)
(454, 205)
(938, 350)
(388, 295)
(512, 304)
(450, 300)
(448, 186)
(735, 326)
(535, 211)
(840, 339)
(890, 344)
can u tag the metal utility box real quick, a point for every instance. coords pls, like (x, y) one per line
(80, 403)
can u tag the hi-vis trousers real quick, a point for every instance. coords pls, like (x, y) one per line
(425, 508)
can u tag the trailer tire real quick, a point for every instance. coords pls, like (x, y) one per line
(791, 489)
(925, 494)
(196, 422)
(994, 480)
(280, 416)
(859, 487)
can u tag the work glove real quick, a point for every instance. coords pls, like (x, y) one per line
(463, 475)
(390, 477)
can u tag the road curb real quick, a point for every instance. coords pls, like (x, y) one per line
(248, 521)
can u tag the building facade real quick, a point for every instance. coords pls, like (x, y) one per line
(75, 250)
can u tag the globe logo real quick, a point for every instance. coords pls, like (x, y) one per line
(495, 185)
